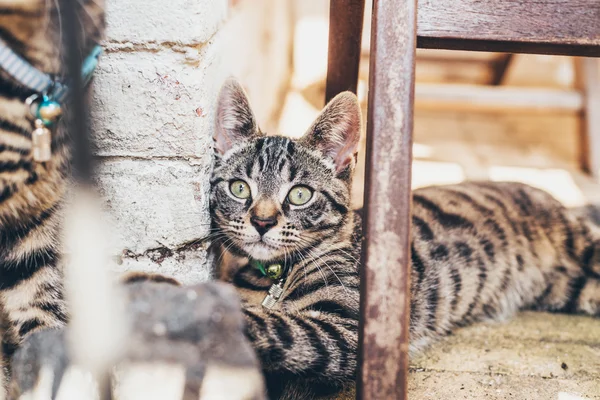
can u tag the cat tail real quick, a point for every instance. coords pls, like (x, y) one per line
(98, 327)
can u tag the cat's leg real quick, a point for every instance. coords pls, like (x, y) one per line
(584, 296)
(312, 344)
(587, 301)
(576, 294)
(573, 286)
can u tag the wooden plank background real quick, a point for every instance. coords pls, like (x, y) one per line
(549, 26)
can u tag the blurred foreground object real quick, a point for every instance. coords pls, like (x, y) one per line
(185, 342)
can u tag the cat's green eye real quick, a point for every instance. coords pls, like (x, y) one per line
(240, 189)
(300, 195)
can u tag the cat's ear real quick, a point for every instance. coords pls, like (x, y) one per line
(336, 131)
(235, 122)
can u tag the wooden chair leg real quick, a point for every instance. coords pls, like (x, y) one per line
(587, 72)
(345, 33)
(385, 291)
(500, 67)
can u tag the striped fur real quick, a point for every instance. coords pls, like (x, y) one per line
(8, 344)
(31, 194)
(479, 250)
(484, 250)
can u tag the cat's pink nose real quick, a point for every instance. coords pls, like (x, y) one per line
(262, 225)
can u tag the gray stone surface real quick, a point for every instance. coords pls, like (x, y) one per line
(156, 103)
(190, 22)
(186, 263)
(158, 203)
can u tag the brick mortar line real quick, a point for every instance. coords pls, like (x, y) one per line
(115, 46)
(101, 157)
(148, 47)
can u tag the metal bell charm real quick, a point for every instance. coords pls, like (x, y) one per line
(274, 271)
(49, 111)
(41, 142)
(275, 292)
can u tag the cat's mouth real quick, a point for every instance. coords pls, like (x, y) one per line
(261, 250)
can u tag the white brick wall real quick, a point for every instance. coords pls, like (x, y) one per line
(181, 22)
(153, 108)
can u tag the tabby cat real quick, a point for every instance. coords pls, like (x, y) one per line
(31, 192)
(282, 224)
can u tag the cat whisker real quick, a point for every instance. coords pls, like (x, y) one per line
(231, 243)
(213, 238)
(315, 260)
(331, 269)
(196, 228)
(333, 272)
(348, 254)
(293, 285)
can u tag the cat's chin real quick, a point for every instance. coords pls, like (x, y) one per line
(262, 252)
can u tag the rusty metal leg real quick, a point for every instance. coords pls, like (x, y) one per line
(385, 277)
(345, 33)
(587, 72)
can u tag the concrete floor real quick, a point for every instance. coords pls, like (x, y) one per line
(536, 356)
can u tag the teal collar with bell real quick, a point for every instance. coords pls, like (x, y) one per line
(277, 273)
(48, 94)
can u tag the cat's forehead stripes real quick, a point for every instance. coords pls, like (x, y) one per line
(273, 165)
(273, 161)
(272, 154)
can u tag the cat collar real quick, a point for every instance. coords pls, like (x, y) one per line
(275, 272)
(48, 94)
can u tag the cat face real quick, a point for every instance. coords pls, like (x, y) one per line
(271, 196)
